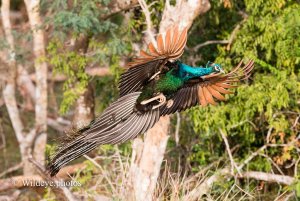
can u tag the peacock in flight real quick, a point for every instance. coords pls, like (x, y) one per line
(156, 84)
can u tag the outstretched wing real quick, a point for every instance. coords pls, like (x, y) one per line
(169, 46)
(205, 90)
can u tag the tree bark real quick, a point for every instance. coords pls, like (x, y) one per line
(39, 138)
(84, 108)
(147, 156)
(9, 92)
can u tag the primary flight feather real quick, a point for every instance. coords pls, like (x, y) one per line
(155, 84)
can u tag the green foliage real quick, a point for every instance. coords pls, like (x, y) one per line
(73, 65)
(107, 41)
(79, 17)
(270, 36)
(298, 189)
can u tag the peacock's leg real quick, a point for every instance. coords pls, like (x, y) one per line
(170, 103)
(160, 98)
(153, 76)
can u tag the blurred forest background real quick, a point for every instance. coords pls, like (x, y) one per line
(60, 62)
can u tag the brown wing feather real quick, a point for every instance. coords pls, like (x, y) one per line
(208, 96)
(206, 91)
(167, 48)
(201, 96)
(141, 69)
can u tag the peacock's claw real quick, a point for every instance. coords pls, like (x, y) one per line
(160, 98)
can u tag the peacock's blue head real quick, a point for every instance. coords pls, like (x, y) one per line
(215, 67)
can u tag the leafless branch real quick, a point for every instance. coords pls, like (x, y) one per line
(269, 134)
(268, 177)
(3, 139)
(233, 164)
(296, 168)
(253, 155)
(210, 42)
(261, 149)
(55, 125)
(229, 41)
(11, 169)
(296, 121)
(119, 6)
(204, 187)
(149, 30)
(243, 122)
(103, 172)
(273, 163)
(177, 128)
(9, 90)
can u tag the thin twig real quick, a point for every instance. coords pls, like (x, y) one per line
(103, 172)
(269, 134)
(242, 122)
(229, 41)
(253, 155)
(11, 169)
(296, 168)
(296, 122)
(233, 164)
(210, 42)
(3, 145)
(177, 128)
(269, 159)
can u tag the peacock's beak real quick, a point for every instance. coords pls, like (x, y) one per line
(222, 71)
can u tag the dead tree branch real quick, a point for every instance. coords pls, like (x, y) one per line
(229, 41)
(119, 6)
(233, 164)
(209, 42)
(268, 177)
(149, 30)
(177, 128)
(11, 169)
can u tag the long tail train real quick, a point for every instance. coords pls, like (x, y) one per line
(118, 123)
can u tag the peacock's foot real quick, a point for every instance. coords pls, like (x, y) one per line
(170, 103)
(154, 76)
(160, 98)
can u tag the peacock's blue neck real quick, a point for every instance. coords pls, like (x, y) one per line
(187, 72)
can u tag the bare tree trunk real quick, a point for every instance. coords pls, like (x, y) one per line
(148, 155)
(33, 9)
(84, 109)
(9, 91)
(146, 160)
(84, 106)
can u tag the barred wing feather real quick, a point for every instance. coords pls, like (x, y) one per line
(169, 46)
